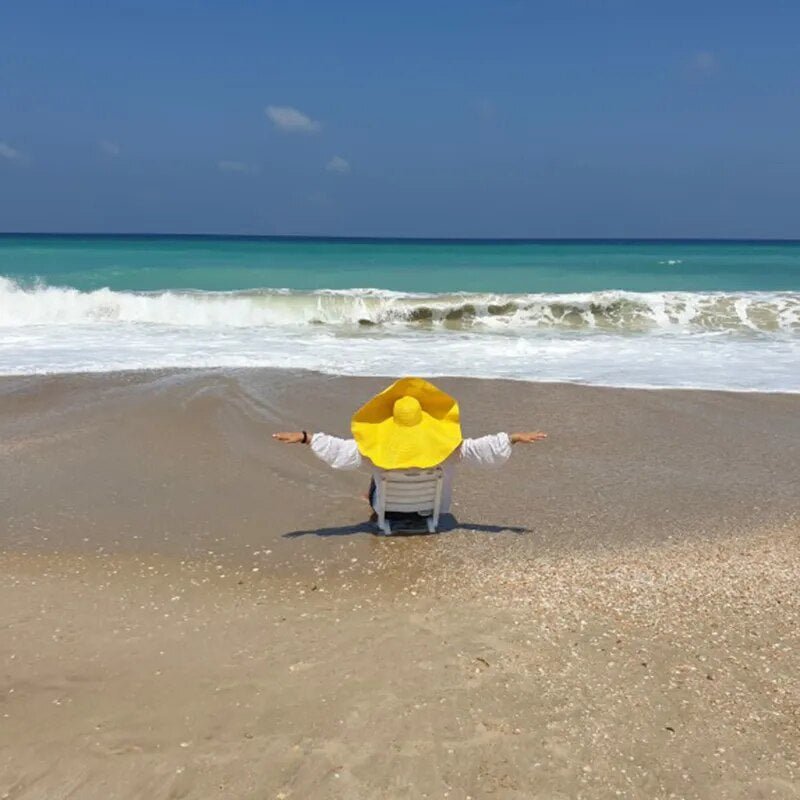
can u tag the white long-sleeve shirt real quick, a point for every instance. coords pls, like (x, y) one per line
(487, 451)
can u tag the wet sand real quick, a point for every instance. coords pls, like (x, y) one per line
(191, 610)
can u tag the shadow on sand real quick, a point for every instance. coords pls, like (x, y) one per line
(447, 523)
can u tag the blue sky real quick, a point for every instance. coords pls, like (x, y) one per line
(491, 119)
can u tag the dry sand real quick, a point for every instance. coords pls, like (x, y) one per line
(612, 615)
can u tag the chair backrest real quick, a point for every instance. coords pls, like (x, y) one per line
(412, 490)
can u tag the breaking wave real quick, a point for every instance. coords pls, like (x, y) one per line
(606, 311)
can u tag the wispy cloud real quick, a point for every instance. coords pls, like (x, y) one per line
(703, 63)
(339, 165)
(109, 148)
(10, 154)
(240, 167)
(290, 120)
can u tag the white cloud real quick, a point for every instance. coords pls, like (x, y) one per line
(109, 148)
(239, 167)
(10, 154)
(338, 164)
(290, 120)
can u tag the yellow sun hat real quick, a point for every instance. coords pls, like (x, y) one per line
(410, 424)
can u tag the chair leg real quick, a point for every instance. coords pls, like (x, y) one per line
(431, 524)
(386, 527)
(383, 525)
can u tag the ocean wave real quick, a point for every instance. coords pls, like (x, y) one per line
(606, 311)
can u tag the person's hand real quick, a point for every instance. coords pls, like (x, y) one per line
(292, 437)
(527, 437)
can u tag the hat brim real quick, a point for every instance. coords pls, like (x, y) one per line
(392, 446)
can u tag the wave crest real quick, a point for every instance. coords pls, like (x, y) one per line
(606, 311)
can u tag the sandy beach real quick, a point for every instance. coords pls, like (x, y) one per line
(191, 610)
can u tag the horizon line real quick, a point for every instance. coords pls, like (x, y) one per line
(406, 239)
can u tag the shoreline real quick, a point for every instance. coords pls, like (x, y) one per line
(388, 378)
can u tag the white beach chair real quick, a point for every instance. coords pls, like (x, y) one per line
(410, 491)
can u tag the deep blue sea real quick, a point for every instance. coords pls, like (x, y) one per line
(701, 314)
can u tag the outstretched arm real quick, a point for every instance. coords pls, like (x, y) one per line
(335, 452)
(495, 449)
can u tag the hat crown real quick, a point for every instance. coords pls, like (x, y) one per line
(411, 424)
(407, 411)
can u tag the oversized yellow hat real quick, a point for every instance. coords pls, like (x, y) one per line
(410, 424)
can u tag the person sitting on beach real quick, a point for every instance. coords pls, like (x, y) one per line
(412, 424)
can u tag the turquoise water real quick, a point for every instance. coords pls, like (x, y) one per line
(627, 313)
(228, 264)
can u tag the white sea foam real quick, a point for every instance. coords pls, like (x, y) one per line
(765, 312)
(747, 341)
